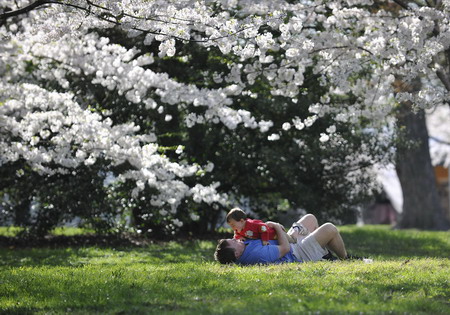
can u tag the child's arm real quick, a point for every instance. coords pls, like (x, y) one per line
(264, 232)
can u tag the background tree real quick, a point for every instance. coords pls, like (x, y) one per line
(413, 163)
(305, 78)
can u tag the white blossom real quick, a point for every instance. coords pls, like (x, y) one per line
(194, 217)
(273, 137)
(324, 137)
(286, 126)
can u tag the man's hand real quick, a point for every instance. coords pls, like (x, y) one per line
(273, 224)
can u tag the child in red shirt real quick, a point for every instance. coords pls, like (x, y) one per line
(245, 228)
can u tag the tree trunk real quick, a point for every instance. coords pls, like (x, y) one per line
(421, 204)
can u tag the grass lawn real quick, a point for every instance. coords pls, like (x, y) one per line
(410, 274)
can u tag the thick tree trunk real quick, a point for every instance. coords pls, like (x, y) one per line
(421, 204)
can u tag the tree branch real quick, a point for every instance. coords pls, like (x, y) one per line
(24, 10)
(107, 17)
(343, 47)
(439, 140)
(402, 4)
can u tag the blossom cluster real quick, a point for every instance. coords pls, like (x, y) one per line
(377, 44)
(55, 135)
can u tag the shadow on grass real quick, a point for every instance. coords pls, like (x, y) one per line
(386, 243)
(158, 253)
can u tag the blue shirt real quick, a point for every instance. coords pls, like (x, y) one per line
(257, 253)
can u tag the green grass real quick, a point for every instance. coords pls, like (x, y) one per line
(410, 274)
(67, 231)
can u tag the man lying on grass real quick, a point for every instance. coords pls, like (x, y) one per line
(312, 247)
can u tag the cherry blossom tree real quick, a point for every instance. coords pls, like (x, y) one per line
(363, 53)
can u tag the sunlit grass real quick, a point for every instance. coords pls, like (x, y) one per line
(409, 275)
(12, 231)
(70, 231)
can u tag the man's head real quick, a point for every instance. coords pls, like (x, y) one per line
(228, 251)
(236, 219)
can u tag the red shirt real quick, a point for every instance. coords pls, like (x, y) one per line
(256, 229)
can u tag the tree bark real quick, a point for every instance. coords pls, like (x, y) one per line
(421, 204)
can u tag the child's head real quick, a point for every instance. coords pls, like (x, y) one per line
(236, 219)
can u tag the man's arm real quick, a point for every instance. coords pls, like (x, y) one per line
(283, 244)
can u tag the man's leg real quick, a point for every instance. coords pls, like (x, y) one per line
(327, 235)
(309, 221)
